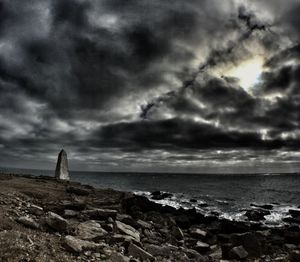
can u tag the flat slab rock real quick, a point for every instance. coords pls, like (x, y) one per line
(78, 245)
(90, 230)
(137, 252)
(128, 230)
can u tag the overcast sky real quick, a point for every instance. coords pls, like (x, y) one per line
(160, 85)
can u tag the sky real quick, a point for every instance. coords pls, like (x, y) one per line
(155, 86)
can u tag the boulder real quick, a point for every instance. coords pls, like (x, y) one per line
(292, 237)
(177, 233)
(143, 224)
(155, 250)
(62, 168)
(90, 230)
(70, 213)
(238, 253)
(202, 247)
(249, 241)
(117, 257)
(127, 219)
(198, 233)
(294, 213)
(28, 222)
(56, 222)
(118, 238)
(78, 245)
(137, 252)
(294, 256)
(257, 214)
(158, 195)
(99, 213)
(194, 255)
(264, 206)
(128, 230)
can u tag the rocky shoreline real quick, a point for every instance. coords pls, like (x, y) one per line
(45, 219)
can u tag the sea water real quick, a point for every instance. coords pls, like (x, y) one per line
(227, 195)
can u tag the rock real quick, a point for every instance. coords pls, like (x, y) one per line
(118, 238)
(223, 238)
(294, 256)
(194, 255)
(249, 241)
(290, 246)
(155, 250)
(28, 222)
(90, 230)
(265, 206)
(177, 233)
(62, 168)
(108, 227)
(128, 230)
(292, 237)
(238, 253)
(70, 213)
(77, 245)
(77, 191)
(192, 200)
(117, 257)
(294, 213)
(35, 210)
(202, 247)
(137, 252)
(99, 213)
(257, 214)
(143, 224)
(198, 233)
(158, 195)
(56, 222)
(127, 219)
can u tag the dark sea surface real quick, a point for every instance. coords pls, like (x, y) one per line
(227, 194)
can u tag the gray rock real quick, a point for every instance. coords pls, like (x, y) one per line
(117, 257)
(99, 213)
(295, 256)
(238, 253)
(155, 250)
(28, 222)
(128, 230)
(177, 233)
(137, 252)
(249, 241)
(78, 245)
(194, 255)
(35, 210)
(294, 212)
(56, 222)
(62, 168)
(90, 230)
(118, 238)
(143, 224)
(198, 233)
(202, 247)
(70, 213)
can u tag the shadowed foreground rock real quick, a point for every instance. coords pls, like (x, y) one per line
(42, 219)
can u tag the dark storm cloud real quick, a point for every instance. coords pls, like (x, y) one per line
(84, 75)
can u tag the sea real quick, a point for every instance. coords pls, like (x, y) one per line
(225, 195)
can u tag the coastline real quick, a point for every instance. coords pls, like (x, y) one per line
(55, 220)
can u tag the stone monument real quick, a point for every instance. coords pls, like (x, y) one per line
(62, 169)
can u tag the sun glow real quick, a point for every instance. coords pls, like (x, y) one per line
(248, 72)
